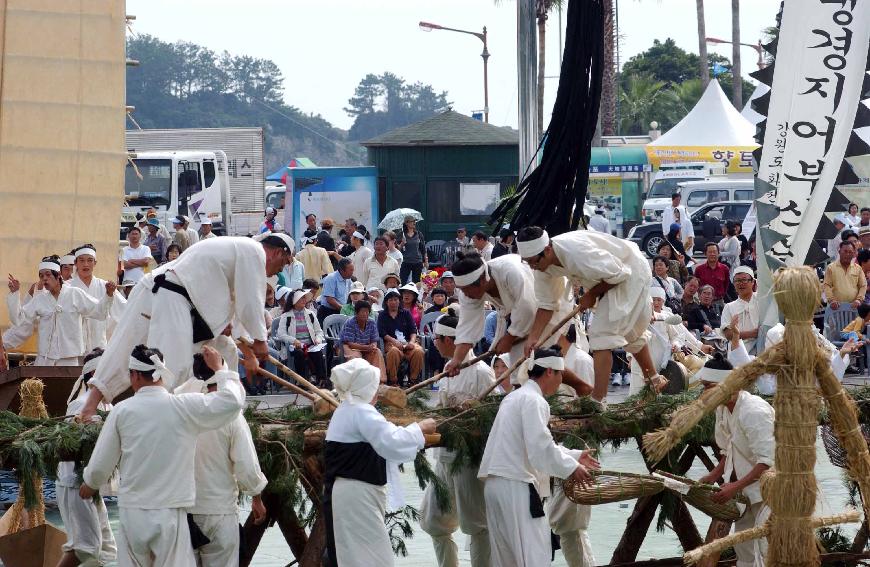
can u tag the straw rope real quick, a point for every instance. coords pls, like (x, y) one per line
(720, 545)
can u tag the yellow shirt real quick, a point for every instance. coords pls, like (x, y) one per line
(315, 261)
(856, 326)
(845, 286)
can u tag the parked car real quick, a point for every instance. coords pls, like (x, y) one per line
(707, 222)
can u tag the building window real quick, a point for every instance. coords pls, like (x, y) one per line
(407, 194)
(450, 201)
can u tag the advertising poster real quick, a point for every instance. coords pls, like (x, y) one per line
(336, 192)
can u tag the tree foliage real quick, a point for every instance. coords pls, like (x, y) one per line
(662, 84)
(383, 102)
(184, 85)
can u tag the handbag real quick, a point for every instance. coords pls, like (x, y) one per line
(673, 303)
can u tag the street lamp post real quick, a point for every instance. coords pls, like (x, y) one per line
(757, 47)
(427, 26)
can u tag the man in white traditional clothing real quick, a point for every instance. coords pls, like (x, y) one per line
(744, 308)
(90, 541)
(518, 461)
(60, 311)
(152, 438)
(508, 285)
(226, 465)
(615, 278)
(359, 442)
(95, 330)
(67, 265)
(467, 509)
(191, 300)
(568, 520)
(744, 433)
(669, 340)
(766, 383)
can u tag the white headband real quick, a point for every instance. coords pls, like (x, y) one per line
(67, 260)
(530, 248)
(86, 251)
(358, 235)
(89, 367)
(157, 365)
(53, 266)
(468, 279)
(713, 375)
(552, 362)
(443, 330)
(657, 292)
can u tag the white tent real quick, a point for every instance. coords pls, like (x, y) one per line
(748, 112)
(712, 122)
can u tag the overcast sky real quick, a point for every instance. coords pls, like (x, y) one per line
(324, 47)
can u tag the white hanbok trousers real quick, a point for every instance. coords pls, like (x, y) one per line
(515, 538)
(569, 521)
(86, 522)
(167, 327)
(154, 538)
(752, 553)
(223, 531)
(361, 538)
(467, 512)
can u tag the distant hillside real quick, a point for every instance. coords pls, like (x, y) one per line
(183, 85)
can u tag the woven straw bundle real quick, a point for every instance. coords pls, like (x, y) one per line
(700, 497)
(612, 486)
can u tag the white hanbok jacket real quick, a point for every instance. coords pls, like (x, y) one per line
(520, 446)
(516, 288)
(225, 276)
(60, 320)
(590, 257)
(746, 438)
(226, 464)
(95, 331)
(152, 438)
(747, 317)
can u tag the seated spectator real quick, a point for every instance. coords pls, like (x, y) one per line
(391, 281)
(375, 297)
(336, 287)
(410, 293)
(439, 300)
(489, 328)
(396, 327)
(673, 289)
(855, 329)
(357, 293)
(705, 316)
(714, 273)
(690, 295)
(845, 282)
(298, 331)
(173, 251)
(676, 268)
(359, 337)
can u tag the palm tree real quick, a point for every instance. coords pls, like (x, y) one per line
(639, 103)
(607, 109)
(737, 86)
(703, 70)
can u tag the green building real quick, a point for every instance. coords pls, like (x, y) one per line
(451, 168)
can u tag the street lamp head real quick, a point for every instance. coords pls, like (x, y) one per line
(427, 27)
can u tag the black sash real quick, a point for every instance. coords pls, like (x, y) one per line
(197, 538)
(536, 507)
(201, 330)
(357, 461)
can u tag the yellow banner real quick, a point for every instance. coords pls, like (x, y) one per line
(737, 159)
(605, 186)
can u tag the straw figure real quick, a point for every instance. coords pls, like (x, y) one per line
(19, 517)
(802, 369)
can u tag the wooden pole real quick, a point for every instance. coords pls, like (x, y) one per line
(281, 382)
(440, 375)
(311, 387)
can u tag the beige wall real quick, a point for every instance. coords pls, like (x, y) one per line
(62, 154)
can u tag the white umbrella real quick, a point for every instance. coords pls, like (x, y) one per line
(394, 219)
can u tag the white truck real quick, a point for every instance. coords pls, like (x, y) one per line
(665, 184)
(197, 172)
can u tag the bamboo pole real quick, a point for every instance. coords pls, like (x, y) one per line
(281, 382)
(440, 375)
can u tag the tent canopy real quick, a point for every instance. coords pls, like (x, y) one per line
(748, 112)
(281, 174)
(712, 122)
